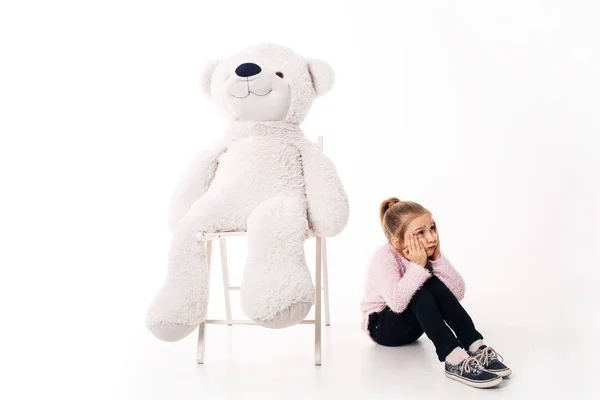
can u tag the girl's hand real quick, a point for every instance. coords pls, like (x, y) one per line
(415, 251)
(437, 253)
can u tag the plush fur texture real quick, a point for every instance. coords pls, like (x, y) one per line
(392, 280)
(265, 177)
(450, 276)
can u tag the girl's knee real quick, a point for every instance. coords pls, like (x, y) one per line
(437, 287)
(424, 298)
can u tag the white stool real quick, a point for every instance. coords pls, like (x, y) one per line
(320, 273)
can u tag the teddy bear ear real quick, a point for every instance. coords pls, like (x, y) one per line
(206, 73)
(322, 76)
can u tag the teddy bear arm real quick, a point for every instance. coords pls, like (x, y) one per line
(328, 207)
(193, 184)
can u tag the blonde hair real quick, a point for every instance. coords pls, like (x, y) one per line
(395, 215)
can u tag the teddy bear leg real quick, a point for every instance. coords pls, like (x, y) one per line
(277, 289)
(180, 305)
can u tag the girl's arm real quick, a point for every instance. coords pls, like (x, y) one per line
(449, 275)
(397, 290)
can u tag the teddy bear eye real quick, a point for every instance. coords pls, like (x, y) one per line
(279, 74)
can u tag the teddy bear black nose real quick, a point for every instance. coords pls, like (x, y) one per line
(247, 69)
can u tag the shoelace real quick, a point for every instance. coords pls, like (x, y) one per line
(487, 355)
(471, 364)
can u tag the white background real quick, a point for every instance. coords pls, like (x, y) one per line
(487, 113)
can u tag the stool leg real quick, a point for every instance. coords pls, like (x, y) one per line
(318, 303)
(225, 270)
(326, 284)
(201, 328)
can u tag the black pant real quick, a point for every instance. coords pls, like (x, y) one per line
(431, 308)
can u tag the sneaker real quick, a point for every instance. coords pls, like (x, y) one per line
(471, 372)
(491, 361)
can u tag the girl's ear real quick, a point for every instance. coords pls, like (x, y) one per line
(396, 243)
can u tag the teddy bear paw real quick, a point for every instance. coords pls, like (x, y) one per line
(171, 332)
(289, 316)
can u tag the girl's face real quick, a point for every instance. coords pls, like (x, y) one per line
(424, 229)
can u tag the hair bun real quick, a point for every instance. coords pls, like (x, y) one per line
(393, 201)
(386, 205)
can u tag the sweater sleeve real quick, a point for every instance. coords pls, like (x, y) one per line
(396, 289)
(449, 275)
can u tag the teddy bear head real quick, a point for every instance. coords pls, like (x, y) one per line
(267, 82)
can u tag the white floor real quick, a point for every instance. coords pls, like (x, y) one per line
(247, 362)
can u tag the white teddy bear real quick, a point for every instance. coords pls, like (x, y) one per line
(263, 176)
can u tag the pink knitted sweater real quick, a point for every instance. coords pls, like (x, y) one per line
(392, 280)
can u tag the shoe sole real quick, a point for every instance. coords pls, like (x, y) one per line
(503, 373)
(475, 384)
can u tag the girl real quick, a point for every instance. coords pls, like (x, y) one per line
(412, 288)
